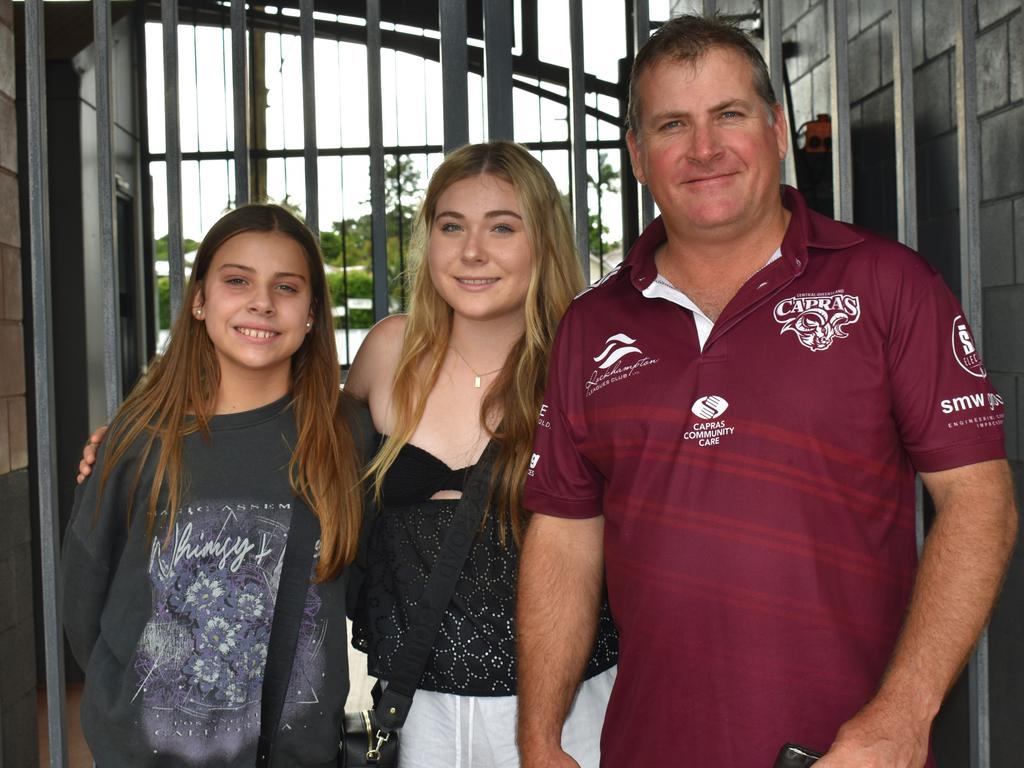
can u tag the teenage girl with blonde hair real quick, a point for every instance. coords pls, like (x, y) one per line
(495, 269)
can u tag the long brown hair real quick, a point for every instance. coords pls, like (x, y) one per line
(177, 396)
(517, 392)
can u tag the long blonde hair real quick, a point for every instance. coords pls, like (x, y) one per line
(177, 396)
(516, 394)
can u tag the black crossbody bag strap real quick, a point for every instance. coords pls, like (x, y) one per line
(284, 630)
(411, 659)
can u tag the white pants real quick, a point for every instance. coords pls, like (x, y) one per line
(449, 731)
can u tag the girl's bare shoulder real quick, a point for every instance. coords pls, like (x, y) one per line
(374, 365)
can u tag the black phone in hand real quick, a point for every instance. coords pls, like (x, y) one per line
(795, 756)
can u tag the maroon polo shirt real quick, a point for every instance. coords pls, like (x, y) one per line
(758, 493)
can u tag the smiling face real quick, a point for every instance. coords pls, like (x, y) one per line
(707, 146)
(480, 256)
(255, 300)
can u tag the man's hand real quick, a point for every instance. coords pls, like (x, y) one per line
(89, 453)
(882, 735)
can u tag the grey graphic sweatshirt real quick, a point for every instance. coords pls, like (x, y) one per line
(173, 632)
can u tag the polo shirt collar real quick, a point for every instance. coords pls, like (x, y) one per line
(807, 229)
(640, 260)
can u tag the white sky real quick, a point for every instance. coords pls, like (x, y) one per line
(341, 106)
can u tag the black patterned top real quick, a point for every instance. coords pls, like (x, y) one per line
(474, 651)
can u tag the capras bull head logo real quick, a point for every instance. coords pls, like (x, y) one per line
(817, 320)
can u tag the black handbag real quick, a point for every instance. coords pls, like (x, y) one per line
(371, 737)
(365, 744)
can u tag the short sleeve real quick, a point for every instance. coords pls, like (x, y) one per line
(560, 481)
(946, 409)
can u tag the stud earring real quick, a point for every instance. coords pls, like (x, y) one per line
(309, 325)
(199, 312)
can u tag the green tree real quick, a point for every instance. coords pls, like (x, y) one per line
(606, 182)
(402, 184)
(163, 284)
(360, 286)
(163, 290)
(354, 237)
(330, 246)
(160, 247)
(596, 236)
(350, 242)
(596, 230)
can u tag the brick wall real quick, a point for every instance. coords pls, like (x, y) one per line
(17, 665)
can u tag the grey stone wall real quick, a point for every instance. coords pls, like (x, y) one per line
(17, 666)
(1000, 82)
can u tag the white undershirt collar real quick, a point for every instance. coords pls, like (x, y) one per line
(662, 288)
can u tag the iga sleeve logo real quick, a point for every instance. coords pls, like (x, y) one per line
(818, 320)
(965, 350)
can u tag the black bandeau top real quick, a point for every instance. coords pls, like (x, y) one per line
(416, 475)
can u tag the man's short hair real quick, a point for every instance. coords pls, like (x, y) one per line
(686, 39)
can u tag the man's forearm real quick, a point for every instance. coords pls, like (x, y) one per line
(961, 570)
(560, 578)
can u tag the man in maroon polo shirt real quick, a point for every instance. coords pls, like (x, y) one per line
(731, 429)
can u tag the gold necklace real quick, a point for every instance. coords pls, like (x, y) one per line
(476, 376)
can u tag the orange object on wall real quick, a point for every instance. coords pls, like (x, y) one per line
(818, 134)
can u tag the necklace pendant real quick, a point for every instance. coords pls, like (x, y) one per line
(476, 382)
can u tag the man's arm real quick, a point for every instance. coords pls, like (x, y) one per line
(961, 570)
(560, 576)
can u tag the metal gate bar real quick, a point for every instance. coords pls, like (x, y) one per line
(172, 133)
(107, 229)
(969, 177)
(842, 157)
(641, 31)
(42, 356)
(906, 170)
(903, 96)
(498, 64)
(378, 227)
(307, 35)
(240, 100)
(578, 132)
(454, 66)
(772, 23)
